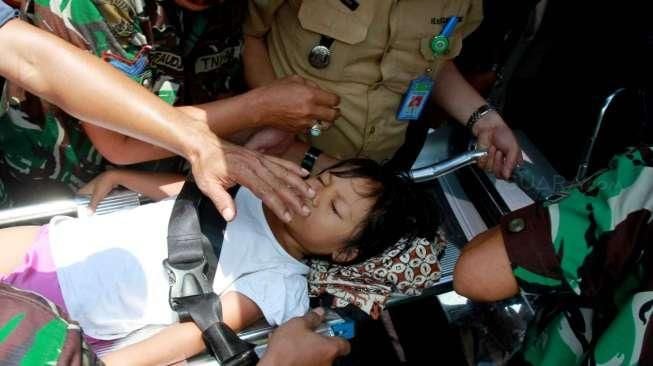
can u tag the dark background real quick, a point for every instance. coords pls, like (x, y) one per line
(582, 52)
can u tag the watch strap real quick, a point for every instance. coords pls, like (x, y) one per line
(310, 157)
(479, 113)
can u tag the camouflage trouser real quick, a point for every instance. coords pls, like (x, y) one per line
(34, 332)
(590, 255)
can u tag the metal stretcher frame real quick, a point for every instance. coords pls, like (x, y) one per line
(257, 334)
(434, 166)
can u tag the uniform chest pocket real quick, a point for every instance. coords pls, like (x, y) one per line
(334, 19)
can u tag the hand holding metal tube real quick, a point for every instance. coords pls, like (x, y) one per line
(296, 344)
(524, 174)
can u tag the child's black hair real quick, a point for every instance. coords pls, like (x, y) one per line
(402, 208)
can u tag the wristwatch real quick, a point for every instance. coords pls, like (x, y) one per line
(478, 114)
(310, 157)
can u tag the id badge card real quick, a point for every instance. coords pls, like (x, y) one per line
(415, 99)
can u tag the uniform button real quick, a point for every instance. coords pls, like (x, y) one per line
(372, 129)
(516, 225)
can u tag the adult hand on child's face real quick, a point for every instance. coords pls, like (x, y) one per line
(294, 104)
(218, 165)
(504, 152)
(270, 141)
(297, 344)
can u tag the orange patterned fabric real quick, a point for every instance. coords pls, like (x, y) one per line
(408, 267)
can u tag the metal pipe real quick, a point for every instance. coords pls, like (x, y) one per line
(447, 166)
(75, 206)
(584, 164)
(14, 216)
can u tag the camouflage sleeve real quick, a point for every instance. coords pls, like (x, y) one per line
(99, 27)
(587, 241)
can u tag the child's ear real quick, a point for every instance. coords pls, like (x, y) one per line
(345, 255)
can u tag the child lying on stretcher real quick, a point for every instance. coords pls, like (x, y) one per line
(106, 270)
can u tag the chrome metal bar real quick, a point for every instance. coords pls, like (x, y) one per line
(14, 216)
(584, 164)
(76, 206)
(447, 166)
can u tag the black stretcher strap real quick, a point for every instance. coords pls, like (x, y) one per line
(195, 235)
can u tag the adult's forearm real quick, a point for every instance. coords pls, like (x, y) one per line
(454, 94)
(121, 149)
(91, 90)
(258, 67)
(226, 116)
(155, 186)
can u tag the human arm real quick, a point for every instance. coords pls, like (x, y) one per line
(129, 109)
(256, 62)
(124, 105)
(297, 344)
(483, 271)
(181, 341)
(155, 186)
(454, 94)
(291, 104)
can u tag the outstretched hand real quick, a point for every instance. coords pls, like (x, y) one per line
(297, 344)
(218, 165)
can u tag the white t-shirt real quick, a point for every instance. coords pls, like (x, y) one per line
(113, 281)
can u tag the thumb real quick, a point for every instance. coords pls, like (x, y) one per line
(314, 318)
(222, 200)
(343, 347)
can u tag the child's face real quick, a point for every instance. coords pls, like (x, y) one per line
(339, 206)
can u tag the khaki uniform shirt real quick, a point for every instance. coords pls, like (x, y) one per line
(378, 49)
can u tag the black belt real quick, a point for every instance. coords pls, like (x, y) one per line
(195, 234)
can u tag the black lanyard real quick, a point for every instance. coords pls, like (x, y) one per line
(320, 55)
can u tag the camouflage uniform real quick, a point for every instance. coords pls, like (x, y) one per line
(185, 57)
(591, 255)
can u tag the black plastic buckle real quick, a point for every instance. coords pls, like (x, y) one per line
(225, 345)
(187, 281)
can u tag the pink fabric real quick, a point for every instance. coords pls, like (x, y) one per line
(38, 273)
